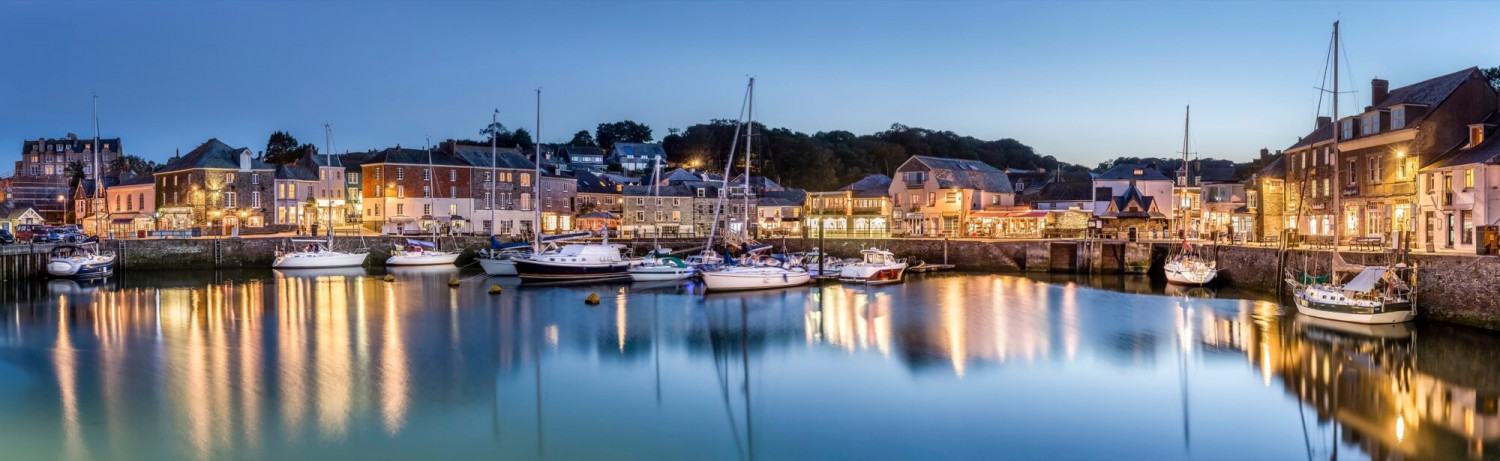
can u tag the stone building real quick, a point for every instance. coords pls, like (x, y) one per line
(41, 175)
(215, 188)
(779, 213)
(860, 209)
(1134, 199)
(415, 191)
(597, 192)
(668, 211)
(502, 205)
(1265, 202)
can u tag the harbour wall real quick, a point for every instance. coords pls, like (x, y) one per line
(1454, 288)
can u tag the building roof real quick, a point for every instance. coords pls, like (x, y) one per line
(353, 160)
(785, 197)
(12, 211)
(757, 182)
(295, 172)
(1122, 203)
(621, 179)
(680, 175)
(966, 174)
(1132, 171)
(71, 142)
(213, 154)
(1274, 170)
(1072, 188)
(402, 155)
(590, 183)
(1430, 93)
(874, 181)
(666, 191)
(639, 149)
(571, 152)
(509, 159)
(1488, 150)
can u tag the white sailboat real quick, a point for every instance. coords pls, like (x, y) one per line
(85, 261)
(1351, 292)
(499, 259)
(745, 276)
(311, 253)
(421, 252)
(1184, 264)
(659, 265)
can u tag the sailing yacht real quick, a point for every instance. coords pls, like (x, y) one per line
(85, 261)
(1352, 292)
(747, 276)
(421, 252)
(1185, 265)
(311, 254)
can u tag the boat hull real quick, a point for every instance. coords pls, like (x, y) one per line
(425, 259)
(873, 275)
(1396, 312)
(319, 260)
(1183, 276)
(730, 281)
(502, 267)
(542, 271)
(660, 273)
(88, 269)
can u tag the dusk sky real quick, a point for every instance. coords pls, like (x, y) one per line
(1082, 81)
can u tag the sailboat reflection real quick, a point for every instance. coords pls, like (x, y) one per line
(720, 340)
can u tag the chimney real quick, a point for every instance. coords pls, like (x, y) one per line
(245, 160)
(1323, 121)
(1379, 89)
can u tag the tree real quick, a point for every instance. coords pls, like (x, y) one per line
(282, 149)
(133, 164)
(607, 134)
(1493, 75)
(75, 175)
(582, 139)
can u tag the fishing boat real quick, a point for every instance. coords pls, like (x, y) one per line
(878, 267)
(422, 252)
(313, 254)
(82, 261)
(660, 266)
(1184, 264)
(1353, 293)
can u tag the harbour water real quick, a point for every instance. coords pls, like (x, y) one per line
(345, 365)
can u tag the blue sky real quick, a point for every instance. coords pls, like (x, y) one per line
(1083, 81)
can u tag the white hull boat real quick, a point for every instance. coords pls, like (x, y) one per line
(1332, 303)
(575, 262)
(1190, 270)
(319, 259)
(660, 273)
(424, 258)
(879, 266)
(498, 266)
(754, 278)
(77, 262)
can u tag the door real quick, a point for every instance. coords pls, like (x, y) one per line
(1132, 234)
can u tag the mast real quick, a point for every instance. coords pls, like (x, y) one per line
(656, 195)
(94, 205)
(328, 159)
(536, 181)
(708, 247)
(1182, 174)
(1338, 193)
(749, 137)
(431, 192)
(494, 176)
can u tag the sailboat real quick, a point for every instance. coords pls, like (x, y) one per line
(659, 265)
(314, 253)
(1352, 292)
(85, 261)
(1184, 265)
(746, 276)
(423, 252)
(571, 262)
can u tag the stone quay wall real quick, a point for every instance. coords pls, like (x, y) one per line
(1453, 288)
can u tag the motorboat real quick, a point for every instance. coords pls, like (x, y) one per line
(660, 266)
(583, 261)
(80, 262)
(500, 258)
(879, 266)
(818, 263)
(315, 254)
(420, 253)
(704, 260)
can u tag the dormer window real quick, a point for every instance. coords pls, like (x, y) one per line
(1476, 135)
(1398, 117)
(1369, 124)
(1139, 172)
(1347, 126)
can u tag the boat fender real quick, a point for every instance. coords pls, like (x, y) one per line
(453, 282)
(592, 299)
(494, 289)
(390, 278)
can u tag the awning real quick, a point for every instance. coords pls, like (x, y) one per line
(1365, 281)
(399, 219)
(1009, 214)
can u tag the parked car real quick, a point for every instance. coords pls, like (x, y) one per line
(6, 238)
(34, 233)
(65, 234)
(72, 228)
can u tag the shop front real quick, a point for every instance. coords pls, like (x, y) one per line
(1007, 224)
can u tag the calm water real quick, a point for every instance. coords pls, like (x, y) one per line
(303, 366)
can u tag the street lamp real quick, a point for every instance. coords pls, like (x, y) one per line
(62, 198)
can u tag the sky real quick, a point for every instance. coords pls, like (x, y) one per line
(1083, 81)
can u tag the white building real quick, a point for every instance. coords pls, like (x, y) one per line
(1460, 191)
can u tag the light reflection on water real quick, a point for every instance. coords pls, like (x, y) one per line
(345, 365)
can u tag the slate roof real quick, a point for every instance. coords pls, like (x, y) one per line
(413, 157)
(213, 154)
(1275, 170)
(1123, 201)
(966, 174)
(666, 191)
(1072, 188)
(13, 211)
(759, 183)
(786, 197)
(75, 144)
(1488, 151)
(621, 179)
(874, 181)
(639, 149)
(589, 183)
(353, 160)
(572, 151)
(295, 172)
(1430, 93)
(681, 175)
(132, 180)
(1126, 171)
(512, 159)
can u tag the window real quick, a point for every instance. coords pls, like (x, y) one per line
(700, 192)
(676, 215)
(931, 199)
(322, 174)
(377, 175)
(526, 201)
(486, 176)
(452, 191)
(453, 209)
(487, 200)
(1467, 218)
(915, 178)
(426, 209)
(1327, 156)
(676, 201)
(255, 199)
(1469, 178)
(452, 175)
(1353, 173)
(1370, 123)
(1304, 160)
(525, 179)
(1431, 183)
(658, 216)
(117, 203)
(1374, 165)
(1476, 135)
(1401, 165)
(640, 216)
(255, 179)
(1347, 126)
(229, 200)
(1398, 117)
(1327, 187)
(426, 192)
(400, 191)
(426, 174)
(400, 174)
(400, 209)
(1251, 199)
(352, 177)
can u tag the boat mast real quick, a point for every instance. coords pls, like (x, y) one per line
(1338, 209)
(1182, 175)
(536, 181)
(431, 193)
(656, 195)
(749, 136)
(494, 175)
(97, 174)
(328, 159)
(708, 247)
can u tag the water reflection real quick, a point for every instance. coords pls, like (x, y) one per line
(315, 364)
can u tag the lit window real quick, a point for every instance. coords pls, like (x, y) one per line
(1469, 178)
